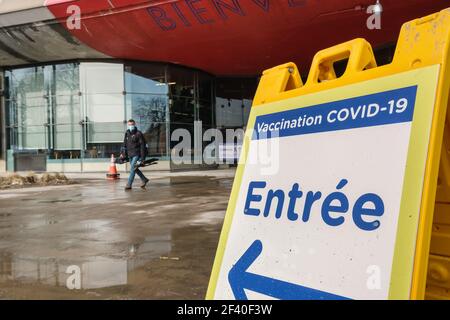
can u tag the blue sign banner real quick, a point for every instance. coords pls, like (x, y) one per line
(384, 108)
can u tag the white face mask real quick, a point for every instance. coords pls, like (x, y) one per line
(131, 127)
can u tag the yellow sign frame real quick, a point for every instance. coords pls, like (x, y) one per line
(422, 43)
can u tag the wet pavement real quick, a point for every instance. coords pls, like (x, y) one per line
(157, 243)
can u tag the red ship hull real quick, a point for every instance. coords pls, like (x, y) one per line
(232, 37)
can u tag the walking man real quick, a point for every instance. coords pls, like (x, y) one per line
(135, 148)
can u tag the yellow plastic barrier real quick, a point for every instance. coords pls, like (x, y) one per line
(422, 42)
(422, 58)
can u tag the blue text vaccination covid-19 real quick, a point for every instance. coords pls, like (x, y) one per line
(384, 108)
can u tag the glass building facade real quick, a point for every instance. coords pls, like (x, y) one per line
(68, 117)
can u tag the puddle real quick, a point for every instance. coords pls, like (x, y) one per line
(154, 244)
(169, 265)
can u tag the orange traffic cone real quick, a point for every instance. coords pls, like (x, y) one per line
(112, 174)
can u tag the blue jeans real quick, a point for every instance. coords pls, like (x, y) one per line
(134, 171)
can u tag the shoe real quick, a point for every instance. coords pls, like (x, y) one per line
(127, 188)
(144, 184)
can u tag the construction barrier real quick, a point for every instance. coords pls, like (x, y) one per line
(340, 178)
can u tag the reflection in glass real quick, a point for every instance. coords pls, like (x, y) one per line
(147, 103)
(145, 78)
(150, 113)
(66, 108)
(181, 82)
(43, 109)
(205, 97)
(28, 109)
(102, 86)
(233, 101)
(182, 110)
(77, 111)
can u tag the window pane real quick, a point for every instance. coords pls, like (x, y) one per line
(28, 107)
(145, 78)
(181, 82)
(67, 136)
(205, 86)
(67, 109)
(234, 98)
(102, 150)
(102, 85)
(104, 132)
(205, 112)
(66, 79)
(31, 137)
(147, 109)
(205, 93)
(182, 110)
(150, 113)
(229, 112)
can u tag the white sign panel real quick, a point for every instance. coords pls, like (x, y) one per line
(324, 224)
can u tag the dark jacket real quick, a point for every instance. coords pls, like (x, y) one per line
(134, 144)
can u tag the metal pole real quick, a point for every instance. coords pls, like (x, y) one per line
(2, 118)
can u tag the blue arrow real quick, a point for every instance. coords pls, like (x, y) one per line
(240, 280)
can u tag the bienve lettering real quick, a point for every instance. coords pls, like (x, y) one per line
(189, 12)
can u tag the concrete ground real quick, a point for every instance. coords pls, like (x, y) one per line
(157, 243)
